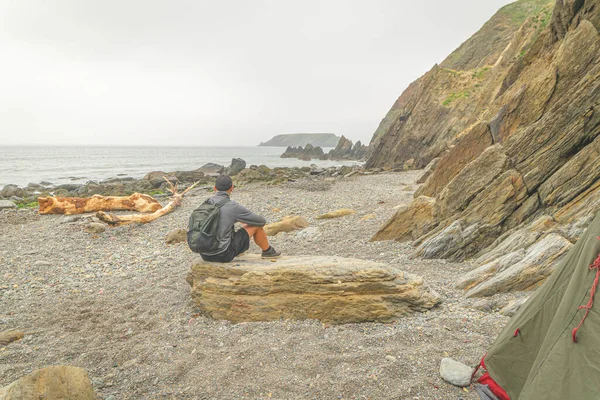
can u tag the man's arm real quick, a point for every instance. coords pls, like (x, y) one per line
(248, 217)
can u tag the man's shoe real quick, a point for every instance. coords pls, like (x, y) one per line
(270, 253)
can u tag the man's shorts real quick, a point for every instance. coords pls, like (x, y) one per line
(240, 242)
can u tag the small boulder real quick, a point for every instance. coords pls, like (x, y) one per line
(10, 336)
(95, 227)
(7, 204)
(11, 190)
(51, 383)
(178, 235)
(211, 169)
(309, 233)
(237, 165)
(512, 307)
(156, 178)
(455, 372)
(337, 213)
(287, 224)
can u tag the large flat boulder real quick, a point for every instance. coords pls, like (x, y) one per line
(51, 383)
(330, 289)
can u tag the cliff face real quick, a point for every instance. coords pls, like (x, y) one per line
(521, 181)
(436, 109)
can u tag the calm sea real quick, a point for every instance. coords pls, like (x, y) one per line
(22, 165)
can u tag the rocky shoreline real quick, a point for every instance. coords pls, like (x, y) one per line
(153, 183)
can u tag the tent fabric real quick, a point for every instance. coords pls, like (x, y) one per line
(542, 361)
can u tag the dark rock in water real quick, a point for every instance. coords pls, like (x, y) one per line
(345, 150)
(317, 171)
(211, 168)
(35, 186)
(12, 190)
(237, 165)
(45, 183)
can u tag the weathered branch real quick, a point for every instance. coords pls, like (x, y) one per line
(117, 220)
(77, 205)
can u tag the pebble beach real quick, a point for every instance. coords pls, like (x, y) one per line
(117, 304)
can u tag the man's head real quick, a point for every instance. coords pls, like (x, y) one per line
(224, 184)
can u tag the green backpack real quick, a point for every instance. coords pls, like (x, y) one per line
(202, 230)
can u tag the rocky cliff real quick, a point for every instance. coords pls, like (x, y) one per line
(517, 180)
(438, 108)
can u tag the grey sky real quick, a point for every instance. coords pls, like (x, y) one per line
(215, 72)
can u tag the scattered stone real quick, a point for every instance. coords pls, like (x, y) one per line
(7, 204)
(52, 383)
(70, 219)
(367, 217)
(10, 336)
(485, 305)
(178, 235)
(391, 358)
(42, 263)
(287, 224)
(512, 307)
(455, 372)
(337, 213)
(95, 227)
(309, 233)
(330, 289)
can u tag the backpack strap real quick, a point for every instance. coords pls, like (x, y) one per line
(222, 203)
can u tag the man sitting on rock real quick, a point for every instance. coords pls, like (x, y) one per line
(232, 242)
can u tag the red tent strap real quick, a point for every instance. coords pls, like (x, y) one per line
(595, 265)
(478, 366)
(517, 332)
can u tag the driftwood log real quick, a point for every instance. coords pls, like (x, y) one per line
(77, 205)
(117, 220)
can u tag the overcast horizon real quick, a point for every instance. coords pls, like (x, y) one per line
(198, 73)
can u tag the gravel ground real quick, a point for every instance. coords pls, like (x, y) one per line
(117, 304)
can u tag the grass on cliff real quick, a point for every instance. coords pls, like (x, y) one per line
(519, 11)
(455, 96)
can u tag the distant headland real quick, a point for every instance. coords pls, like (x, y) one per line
(302, 139)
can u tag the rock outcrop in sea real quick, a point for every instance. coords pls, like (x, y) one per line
(516, 128)
(344, 150)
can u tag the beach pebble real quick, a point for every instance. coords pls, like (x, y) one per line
(178, 235)
(455, 372)
(95, 227)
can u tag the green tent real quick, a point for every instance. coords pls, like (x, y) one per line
(538, 355)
